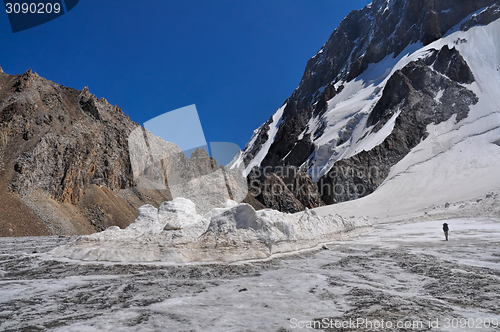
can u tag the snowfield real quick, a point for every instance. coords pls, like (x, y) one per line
(401, 272)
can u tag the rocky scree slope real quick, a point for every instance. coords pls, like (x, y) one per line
(353, 116)
(64, 161)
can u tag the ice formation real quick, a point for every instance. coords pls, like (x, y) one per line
(176, 233)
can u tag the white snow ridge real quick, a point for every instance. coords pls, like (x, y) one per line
(175, 233)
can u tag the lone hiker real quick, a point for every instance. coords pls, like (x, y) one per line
(445, 230)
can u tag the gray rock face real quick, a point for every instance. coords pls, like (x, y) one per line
(272, 192)
(490, 14)
(285, 189)
(450, 63)
(260, 140)
(364, 37)
(418, 83)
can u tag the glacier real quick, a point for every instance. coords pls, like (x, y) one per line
(176, 233)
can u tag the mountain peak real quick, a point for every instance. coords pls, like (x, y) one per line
(60, 147)
(387, 73)
(380, 29)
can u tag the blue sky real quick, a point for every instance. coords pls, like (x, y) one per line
(236, 60)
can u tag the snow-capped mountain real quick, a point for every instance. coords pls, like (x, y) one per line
(398, 84)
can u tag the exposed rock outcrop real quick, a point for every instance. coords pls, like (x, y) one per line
(413, 91)
(64, 159)
(284, 189)
(427, 91)
(74, 164)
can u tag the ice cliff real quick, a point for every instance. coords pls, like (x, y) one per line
(176, 233)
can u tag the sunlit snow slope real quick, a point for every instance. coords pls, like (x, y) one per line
(457, 161)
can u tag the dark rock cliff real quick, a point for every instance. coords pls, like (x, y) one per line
(364, 37)
(412, 90)
(386, 27)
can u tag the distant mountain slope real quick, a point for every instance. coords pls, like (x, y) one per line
(458, 160)
(387, 77)
(64, 160)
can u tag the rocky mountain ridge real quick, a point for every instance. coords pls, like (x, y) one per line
(355, 114)
(64, 160)
(72, 164)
